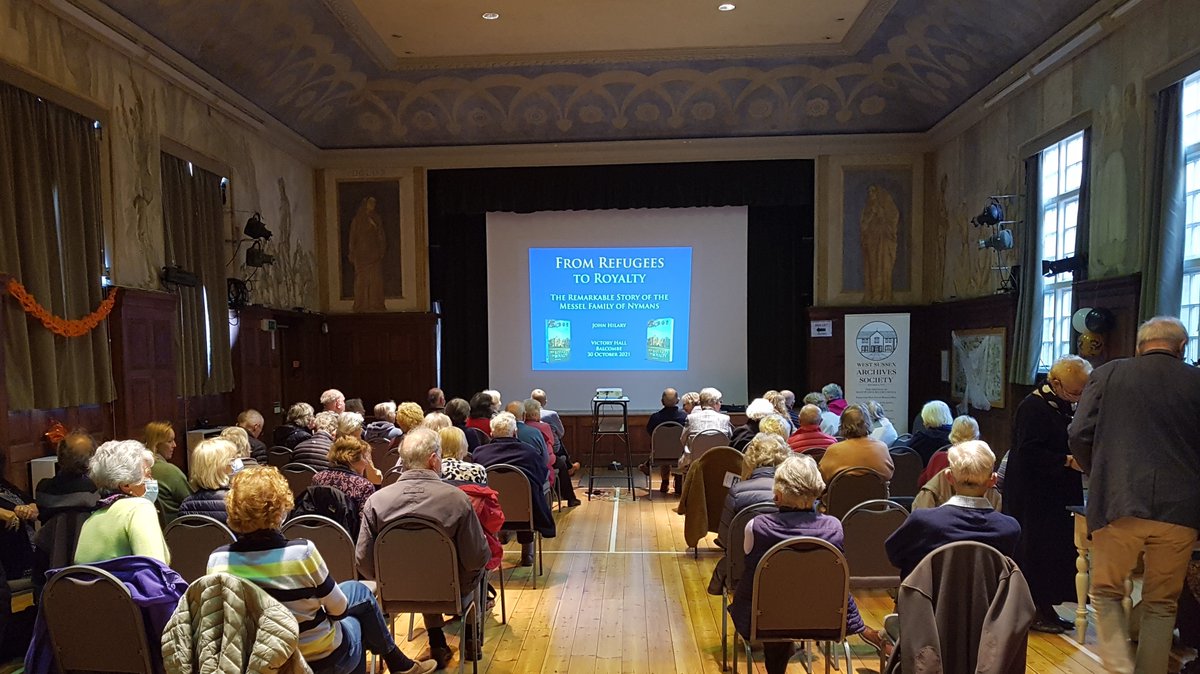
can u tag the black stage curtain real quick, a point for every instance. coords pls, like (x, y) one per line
(779, 264)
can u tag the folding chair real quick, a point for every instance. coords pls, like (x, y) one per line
(665, 444)
(852, 486)
(383, 459)
(865, 529)
(416, 571)
(332, 540)
(392, 475)
(516, 501)
(88, 611)
(799, 570)
(735, 556)
(192, 539)
(279, 456)
(299, 476)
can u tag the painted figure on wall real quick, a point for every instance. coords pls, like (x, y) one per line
(368, 244)
(878, 233)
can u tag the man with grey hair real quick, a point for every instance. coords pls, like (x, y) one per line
(420, 491)
(251, 421)
(789, 401)
(829, 420)
(708, 417)
(505, 447)
(384, 427)
(315, 450)
(435, 400)
(966, 516)
(333, 401)
(1136, 434)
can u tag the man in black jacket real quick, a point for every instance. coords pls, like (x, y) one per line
(1137, 435)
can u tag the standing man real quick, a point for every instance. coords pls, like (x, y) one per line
(1137, 435)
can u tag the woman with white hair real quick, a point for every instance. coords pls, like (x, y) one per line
(240, 440)
(755, 411)
(796, 487)
(964, 429)
(935, 415)
(213, 463)
(125, 522)
(764, 452)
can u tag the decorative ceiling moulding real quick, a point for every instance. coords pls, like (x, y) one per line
(628, 152)
(369, 39)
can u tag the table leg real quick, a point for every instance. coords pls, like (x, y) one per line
(1082, 584)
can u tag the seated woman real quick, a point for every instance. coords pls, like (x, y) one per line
(480, 417)
(757, 485)
(299, 427)
(471, 478)
(454, 467)
(964, 429)
(17, 515)
(214, 462)
(857, 449)
(337, 620)
(125, 522)
(755, 411)
(796, 486)
(936, 419)
(240, 440)
(349, 465)
(159, 437)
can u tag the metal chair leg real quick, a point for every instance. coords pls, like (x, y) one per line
(808, 656)
(827, 658)
(540, 547)
(412, 619)
(849, 663)
(724, 632)
(503, 607)
(736, 639)
(836, 658)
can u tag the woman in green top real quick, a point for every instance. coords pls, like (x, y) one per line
(173, 487)
(125, 522)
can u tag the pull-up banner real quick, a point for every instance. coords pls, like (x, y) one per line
(877, 363)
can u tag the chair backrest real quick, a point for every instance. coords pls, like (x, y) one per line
(380, 456)
(665, 441)
(902, 440)
(865, 529)
(192, 538)
(799, 570)
(481, 437)
(852, 486)
(88, 611)
(817, 453)
(416, 568)
(717, 462)
(332, 541)
(706, 440)
(299, 476)
(392, 475)
(515, 495)
(908, 467)
(735, 548)
(279, 456)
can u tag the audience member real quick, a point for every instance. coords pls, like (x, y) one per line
(755, 411)
(882, 428)
(708, 417)
(333, 401)
(251, 421)
(797, 485)
(963, 429)
(349, 467)
(125, 522)
(384, 426)
(480, 417)
(240, 439)
(170, 483)
(1041, 481)
(834, 400)
(454, 464)
(829, 420)
(505, 447)
(494, 395)
(350, 424)
(670, 412)
(559, 464)
(436, 421)
(966, 516)
(1136, 435)
(315, 450)
(355, 406)
(531, 436)
(435, 400)
(550, 417)
(532, 415)
(337, 620)
(300, 422)
(70, 489)
(858, 449)
(688, 402)
(458, 410)
(775, 424)
(808, 435)
(17, 517)
(213, 463)
(779, 406)
(789, 401)
(935, 434)
(563, 458)
(409, 415)
(420, 491)
(763, 453)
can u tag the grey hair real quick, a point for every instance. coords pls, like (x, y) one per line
(300, 412)
(436, 421)
(972, 462)
(1162, 329)
(759, 408)
(349, 423)
(709, 396)
(386, 411)
(875, 409)
(504, 425)
(799, 477)
(327, 421)
(239, 438)
(766, 449)
(533, 409)
(936, 413)
(963, 429)
(332, 395)
(832, 391)
(417, 446)
(494, 395)
(118, 463)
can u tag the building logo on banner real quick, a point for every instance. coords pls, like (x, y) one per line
(877, 341)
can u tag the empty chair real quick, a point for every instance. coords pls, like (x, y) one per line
(299, 476)
(416, 571)
(853, 486)
(905, 478)
(865, 528)
(279, 456)
(332, 540)
(88, 611)
(191, 539)
(800, 569)
(516, 500)
(735, 555)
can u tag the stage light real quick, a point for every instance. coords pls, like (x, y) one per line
(990, 216)
(177, 276)
(1063, 266)
(1001, 240)
(256, 257)
(256, 229)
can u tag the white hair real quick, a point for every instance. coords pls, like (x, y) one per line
(417, 446)
(1162, 329)
(936, 413)
(759, 408)
(494, 395)
(436, 421)
(386, 411)
(504, 425)
(349, 423)
(118, 463)
(239, 437)
(972, 462)
(710, 396)
(799, 477)
(963, 429)
(331, 396)
(327, 421)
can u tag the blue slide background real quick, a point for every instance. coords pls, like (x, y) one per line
(624, 328)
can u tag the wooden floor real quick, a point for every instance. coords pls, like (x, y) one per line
(621, 594)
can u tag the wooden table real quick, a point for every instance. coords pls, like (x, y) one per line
(1083, 578)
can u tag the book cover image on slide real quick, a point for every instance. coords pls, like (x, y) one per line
(558, 341)
(660, 334)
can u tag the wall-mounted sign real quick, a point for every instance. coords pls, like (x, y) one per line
(821, 328)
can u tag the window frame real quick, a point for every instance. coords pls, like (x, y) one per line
(1057, 291)
(1189, 313)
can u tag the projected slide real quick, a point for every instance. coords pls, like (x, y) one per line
(609, 308)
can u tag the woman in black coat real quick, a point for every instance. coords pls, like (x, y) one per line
(213, 463)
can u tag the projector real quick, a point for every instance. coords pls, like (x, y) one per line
(609, 394)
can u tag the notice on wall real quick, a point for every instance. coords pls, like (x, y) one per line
(877, 363)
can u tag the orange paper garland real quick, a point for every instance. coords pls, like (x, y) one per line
(61, 326)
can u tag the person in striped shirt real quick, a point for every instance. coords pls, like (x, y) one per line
(337, 620)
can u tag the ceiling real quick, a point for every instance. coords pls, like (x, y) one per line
(411, 73)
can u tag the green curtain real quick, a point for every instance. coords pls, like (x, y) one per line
(192, 221)
(1163, 239)
(1027, 336)
(51, 240)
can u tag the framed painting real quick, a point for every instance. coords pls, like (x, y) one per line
(977, 366)
(375, 246)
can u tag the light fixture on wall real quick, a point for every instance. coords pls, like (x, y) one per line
(256, 229)
(1066, 265)
(999, 238)
(257, 257)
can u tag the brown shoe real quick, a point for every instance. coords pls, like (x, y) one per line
(874, 638)
(574, 469)
(440, 654)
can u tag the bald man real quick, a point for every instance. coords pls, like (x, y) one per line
(670, 412)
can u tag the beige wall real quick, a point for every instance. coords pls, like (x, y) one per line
(1106, 86)
(139, 109)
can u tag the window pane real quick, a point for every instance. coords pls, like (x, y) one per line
(1050, 173)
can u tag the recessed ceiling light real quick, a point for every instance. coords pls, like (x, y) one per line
(726, 6)
(491, 16)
